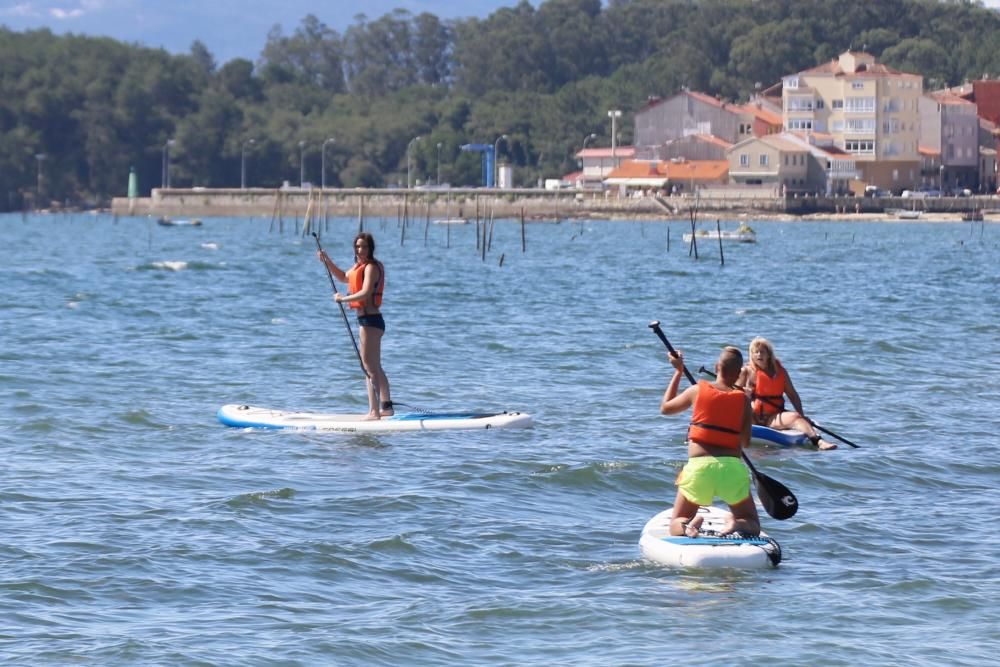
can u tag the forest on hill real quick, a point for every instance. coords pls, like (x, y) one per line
(76, 112)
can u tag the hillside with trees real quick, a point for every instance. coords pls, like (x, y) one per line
(545, 77)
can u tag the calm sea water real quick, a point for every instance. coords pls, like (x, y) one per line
(138, 530)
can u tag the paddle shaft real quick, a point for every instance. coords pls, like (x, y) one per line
(773, 401)
(343, 313)
(768, 488)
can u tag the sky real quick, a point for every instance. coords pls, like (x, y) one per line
(230, 28)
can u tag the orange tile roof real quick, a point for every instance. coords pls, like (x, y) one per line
(699, 170)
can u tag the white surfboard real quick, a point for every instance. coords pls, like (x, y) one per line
(706, 550)
(248, 416)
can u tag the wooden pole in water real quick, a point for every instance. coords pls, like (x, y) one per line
(718, 230)
(484, 241)
(523, 238)
(427, 222)
(274, 211)
(489, 244)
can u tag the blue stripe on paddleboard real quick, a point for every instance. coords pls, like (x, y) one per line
(777, 437)
(715, 540)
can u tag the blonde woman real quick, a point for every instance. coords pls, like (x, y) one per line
(767, 382)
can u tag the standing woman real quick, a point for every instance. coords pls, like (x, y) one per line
(365, 283)
(767, 382)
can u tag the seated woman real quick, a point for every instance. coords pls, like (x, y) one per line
(767, 382)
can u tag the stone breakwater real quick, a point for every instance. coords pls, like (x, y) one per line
(533, 204)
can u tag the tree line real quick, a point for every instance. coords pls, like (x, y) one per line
(76, 112)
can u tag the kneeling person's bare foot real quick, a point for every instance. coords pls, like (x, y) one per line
(692, 527)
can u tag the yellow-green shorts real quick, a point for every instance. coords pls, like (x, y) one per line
(705, 477)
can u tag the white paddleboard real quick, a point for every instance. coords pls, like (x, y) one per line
(762, 435)
(248, 416)
(706, 550)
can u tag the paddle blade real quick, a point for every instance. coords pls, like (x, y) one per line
(778, 501)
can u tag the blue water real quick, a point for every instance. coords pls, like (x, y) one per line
(138, 530)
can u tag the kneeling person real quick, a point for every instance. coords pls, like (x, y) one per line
(720, 428)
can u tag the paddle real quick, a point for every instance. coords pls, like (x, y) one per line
(342, 311)
(773, 401)
(775, 497)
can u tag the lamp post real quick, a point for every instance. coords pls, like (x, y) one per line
(614, 115)
(496, 161)
(302, 164)
(408, 147)
(439, 163)
(322, 162)
(941, 180)
(39, 158)
(165, 178)
(588, 138)
(243, 163)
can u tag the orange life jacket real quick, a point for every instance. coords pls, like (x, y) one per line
(717, 416)
(356, 280)
(769, 392)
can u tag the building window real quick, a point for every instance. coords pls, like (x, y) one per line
(744, 160)
(763, 160)
(864, 147)
(837, 104)
(857, 85)
(860, 105)
(800, 124)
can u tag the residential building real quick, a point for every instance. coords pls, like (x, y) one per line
(689, 113)
(597, 163)
(949, 126)
(985, 94)
(797, 162)
(670, 176)
(871, 111)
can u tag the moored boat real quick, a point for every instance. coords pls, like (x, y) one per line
(742, 234)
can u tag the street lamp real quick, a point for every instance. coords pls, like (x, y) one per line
(408, 146)
(496, 162)
(614, 115)
(941, 180)
(39, 157)
(165, 178)
(439, 163)
(588, 138)
(302, 164)
(243, 163)
(322, 162)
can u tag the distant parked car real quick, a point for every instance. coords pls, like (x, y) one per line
(914, 194)
(932, 192)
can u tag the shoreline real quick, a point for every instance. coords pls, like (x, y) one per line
(476, 204)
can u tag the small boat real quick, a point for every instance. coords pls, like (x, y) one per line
(167, 222)
(248, 416)
(904, 213)
(742, 234)
(451, 221)
(708, 549)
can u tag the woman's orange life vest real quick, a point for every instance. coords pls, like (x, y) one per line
(769, 392)
(717, 416)
(356, 280)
